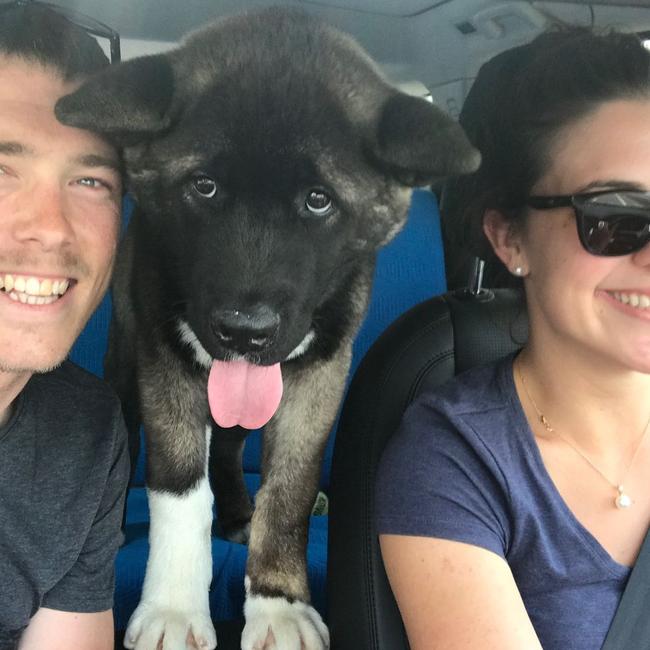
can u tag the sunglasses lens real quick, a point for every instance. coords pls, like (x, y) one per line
(616, 223)
(616, 234)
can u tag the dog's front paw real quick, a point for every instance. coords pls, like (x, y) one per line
(157, 628)
(277, 624)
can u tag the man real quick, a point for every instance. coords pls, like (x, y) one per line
(63, 458)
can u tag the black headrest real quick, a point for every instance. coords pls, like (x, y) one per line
(424, 348)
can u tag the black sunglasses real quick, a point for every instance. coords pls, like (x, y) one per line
(610, 222)
(88, 24)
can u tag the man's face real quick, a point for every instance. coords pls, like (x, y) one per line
(60, 196)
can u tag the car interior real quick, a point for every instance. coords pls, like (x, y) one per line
(434, 310)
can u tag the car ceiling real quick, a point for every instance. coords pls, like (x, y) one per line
(420, 43)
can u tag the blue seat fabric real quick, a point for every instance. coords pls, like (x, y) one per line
(409, 270)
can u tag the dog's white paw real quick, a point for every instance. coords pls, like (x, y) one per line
(277, 624)
(155, 628)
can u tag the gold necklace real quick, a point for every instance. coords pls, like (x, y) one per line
(622, 500)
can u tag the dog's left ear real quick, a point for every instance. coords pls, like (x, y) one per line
(417, 143)
(126, 103)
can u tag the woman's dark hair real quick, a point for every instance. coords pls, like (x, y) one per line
(41, 35)
(520, 102)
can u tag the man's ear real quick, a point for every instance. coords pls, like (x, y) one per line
(417, 143)
(505, 239)
(125, 103)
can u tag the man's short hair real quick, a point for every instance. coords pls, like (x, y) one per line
(37, 34)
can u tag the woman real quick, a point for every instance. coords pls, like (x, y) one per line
(514, 501)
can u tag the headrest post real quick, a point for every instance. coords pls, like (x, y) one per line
(476, 277)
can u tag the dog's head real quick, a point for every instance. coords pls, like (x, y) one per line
(270, 158)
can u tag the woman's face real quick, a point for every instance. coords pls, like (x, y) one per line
(576, 299)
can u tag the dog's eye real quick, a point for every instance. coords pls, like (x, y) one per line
(204, 185)
(319, 203)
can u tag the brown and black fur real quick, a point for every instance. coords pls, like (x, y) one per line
(270, 104)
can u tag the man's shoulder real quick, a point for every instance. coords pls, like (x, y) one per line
(75, 394)
(71, 377)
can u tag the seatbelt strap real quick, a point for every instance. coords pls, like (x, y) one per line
(630, 629)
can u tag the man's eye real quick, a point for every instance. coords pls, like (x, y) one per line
(8, 177)
(93, 183)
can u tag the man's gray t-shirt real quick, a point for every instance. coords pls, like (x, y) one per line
(64, 469)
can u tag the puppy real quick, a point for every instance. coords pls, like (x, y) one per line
(269, 160)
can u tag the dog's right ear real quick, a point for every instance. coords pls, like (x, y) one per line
(126, 103)
(417, 143)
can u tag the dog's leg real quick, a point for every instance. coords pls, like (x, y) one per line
(234, 507)
(119, 372)
(174, 604)
(278, 610)
(120, 357)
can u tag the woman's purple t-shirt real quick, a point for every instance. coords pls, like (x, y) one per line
(465, 466)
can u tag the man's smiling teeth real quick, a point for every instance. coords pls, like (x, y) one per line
(31, 290)
(638, 300)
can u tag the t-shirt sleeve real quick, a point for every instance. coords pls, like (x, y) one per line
(438, 479)
(89, 585)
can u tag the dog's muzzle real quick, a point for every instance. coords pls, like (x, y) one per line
(245, 331)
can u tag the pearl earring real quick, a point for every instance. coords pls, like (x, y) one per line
(519, 271)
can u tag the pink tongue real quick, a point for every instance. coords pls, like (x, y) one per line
(244, 394)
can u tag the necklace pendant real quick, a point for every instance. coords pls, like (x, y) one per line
(623, 500)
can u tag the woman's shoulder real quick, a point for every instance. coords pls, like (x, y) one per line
(447, 472)
(476, 392)
(476, 419)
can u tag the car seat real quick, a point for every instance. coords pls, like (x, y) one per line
(424, 348)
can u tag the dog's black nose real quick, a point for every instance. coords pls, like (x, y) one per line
(251, 330)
